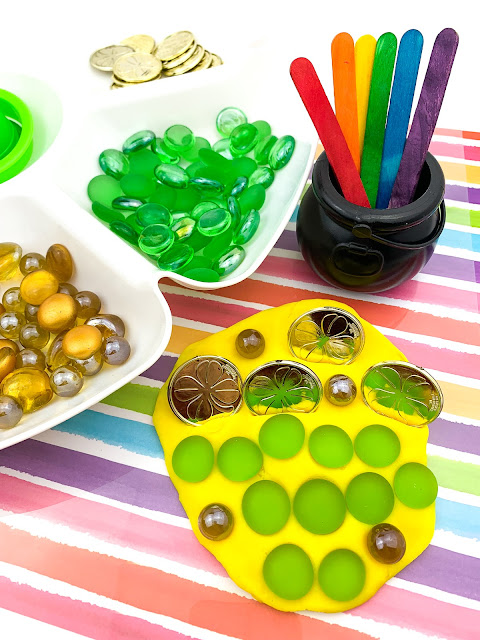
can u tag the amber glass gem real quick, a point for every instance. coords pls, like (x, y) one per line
(88, 304)
(59, 262)
(37, 286)
(386, 543)
(250, 343)
(215, 522)
(340, 390)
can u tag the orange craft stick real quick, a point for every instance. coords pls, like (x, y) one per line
(345, 89)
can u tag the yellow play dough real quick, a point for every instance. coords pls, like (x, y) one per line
(244, 551)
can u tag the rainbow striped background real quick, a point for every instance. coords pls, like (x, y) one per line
(94, 542)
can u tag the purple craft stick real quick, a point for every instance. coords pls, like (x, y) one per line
(425, 118)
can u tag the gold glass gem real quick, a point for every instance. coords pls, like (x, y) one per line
(55, 356)
(90, 366)
(137, 67)
(30, 387)
(386, 543)
(250, 343)
(188, 65)
(179, 59)
(140, 42)
(340, 390)
(282, 387)
(7, 361)
(33, 335)
(328, 335)
(82, 342)
(215, 522)
(4, 342)
(216, 60)
(10, 255)
(38, 286)
(57, 313)
(69, 289)
(174, 45)
(205, 62)
(108, 323)
(31, 262)
(203, 388)
(10, 324)
(13, 301)
(402, 391)
(88, 304)
(31, 357)
(60, 262)
(104, 59)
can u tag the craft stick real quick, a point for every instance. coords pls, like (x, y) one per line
(364, 54)
(377, 113)
(403, 88)
(425, 118)
(345, 90)
(321, 113)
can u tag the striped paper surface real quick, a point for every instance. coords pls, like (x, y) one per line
(94, 542)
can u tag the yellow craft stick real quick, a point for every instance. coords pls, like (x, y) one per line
(364, 54)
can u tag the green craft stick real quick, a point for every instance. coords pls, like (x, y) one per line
(380, 86)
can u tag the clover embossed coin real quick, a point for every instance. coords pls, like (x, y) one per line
(104, 59)
(137, 67)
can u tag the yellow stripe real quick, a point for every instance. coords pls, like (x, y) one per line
(461, 172)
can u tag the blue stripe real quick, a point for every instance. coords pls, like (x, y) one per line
(120, 432)
(462, 519)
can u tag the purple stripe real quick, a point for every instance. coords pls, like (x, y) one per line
(463, 194)
(455, 435)
(445, 570)
(95, 475)
(161, 369)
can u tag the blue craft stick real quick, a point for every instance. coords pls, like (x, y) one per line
(406, 70)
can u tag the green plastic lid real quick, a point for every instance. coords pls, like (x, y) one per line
(16, 121)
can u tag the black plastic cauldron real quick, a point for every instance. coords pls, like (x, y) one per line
(369, 249)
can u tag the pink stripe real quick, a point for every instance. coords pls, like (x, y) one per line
(390, 604)
(80, 617)
(455, 150)
(300, 272)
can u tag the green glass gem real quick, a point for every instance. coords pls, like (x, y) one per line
(206, 184)
(377, 446)
(228, 119)
(218, 244)
(330, 446)
(202, 207)
(247, 228)
(153, 213)
(239, 185)
(135, 185)
(263, 176)
(143, 161)
(193, 459)
(243, 139)
(126, 204)
(266, 507)
(192, 154)
(234, 208)
(252, 198)
(342, 575)
(319, 506)
(243, 166)
(163, 153)
(125, 231)
(281, 152)
(178, 215)
(187, 199)
(198, 241)
(138, 141)
(214, 222)
(222, 147)
(156, 239)
(282, 436)
(263, 128)
(114, 163)
(175, 258)
(239, 459)
(164, 195)
(192, 169)
(211, 158)
(369, 498)
(199, 262)
(202, 275)
(415, 485)
(184, 228)
(288, 572)
(179, 138)
(229, 261)
(172, 175)
(132, 221)
(105, 214)
(104, 189)
(263, 148)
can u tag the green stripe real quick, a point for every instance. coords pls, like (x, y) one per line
(136, 397)
(451, 474)
(466, 217)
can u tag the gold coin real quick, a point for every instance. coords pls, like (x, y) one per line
(216, 60)
(189, 64)
(140, 43)
(104, 59)
(137, 67)
(174, 45)
(204, 62)
(114, 85)
(180, 59)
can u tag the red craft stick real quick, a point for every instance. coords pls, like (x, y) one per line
(321, 113)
